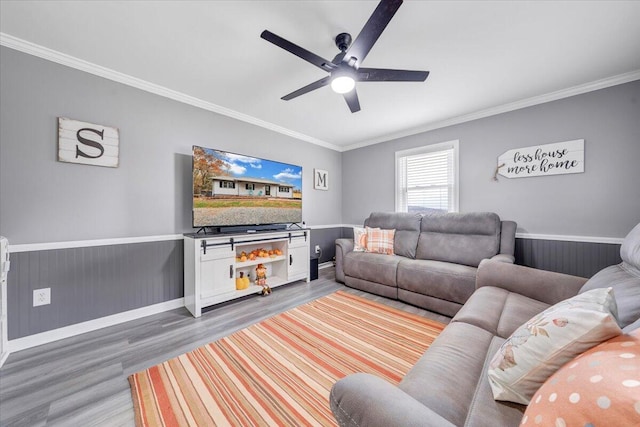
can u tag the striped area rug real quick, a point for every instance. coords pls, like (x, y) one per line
(279, 372)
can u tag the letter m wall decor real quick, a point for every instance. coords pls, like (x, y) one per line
(87, 143)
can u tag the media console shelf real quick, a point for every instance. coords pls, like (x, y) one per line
(213, 262)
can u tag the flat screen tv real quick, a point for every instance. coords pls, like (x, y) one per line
(236, 190)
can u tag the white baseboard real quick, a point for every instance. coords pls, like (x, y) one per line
(325, 265)
(91, 325)
(3, 357)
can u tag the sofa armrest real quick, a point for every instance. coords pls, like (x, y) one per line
(546, 286)
(366, 400)
(343, 247)
(510, 259)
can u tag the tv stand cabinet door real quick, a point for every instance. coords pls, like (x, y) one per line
(298, 260)
(217, 274)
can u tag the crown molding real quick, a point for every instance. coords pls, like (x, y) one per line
(116, 76)
(529, 102)
(107, 73)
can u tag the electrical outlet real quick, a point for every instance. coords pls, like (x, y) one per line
(41, 296)
(318, 249)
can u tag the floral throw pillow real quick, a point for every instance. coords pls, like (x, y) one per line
(380, 241)
(359, 239)
(537, 349)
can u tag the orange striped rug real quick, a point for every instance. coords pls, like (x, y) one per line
(279, 372)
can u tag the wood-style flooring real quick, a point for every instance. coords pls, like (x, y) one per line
(82, 380)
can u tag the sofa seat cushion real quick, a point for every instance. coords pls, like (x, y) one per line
(443, 280)
(447, 377)
(377, 268)
(498, 311)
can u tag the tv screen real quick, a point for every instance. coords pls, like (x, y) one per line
(232, 190)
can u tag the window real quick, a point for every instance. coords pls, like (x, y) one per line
(427, 178)
(227, 184)
(250, 186)
(283, 189)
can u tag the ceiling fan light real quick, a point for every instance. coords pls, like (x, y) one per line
(343, 84)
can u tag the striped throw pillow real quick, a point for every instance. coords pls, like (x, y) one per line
(380, 241)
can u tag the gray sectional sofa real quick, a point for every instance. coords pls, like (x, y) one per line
(435, 257)
(449, 386)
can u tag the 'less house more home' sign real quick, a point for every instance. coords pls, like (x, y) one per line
(87, 143)
(548, 159)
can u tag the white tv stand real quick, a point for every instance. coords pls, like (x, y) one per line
(211, 264)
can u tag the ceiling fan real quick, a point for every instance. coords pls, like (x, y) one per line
(344, 70)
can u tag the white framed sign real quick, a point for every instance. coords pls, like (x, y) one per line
(88, 143)
(548, 159)
(320, 179)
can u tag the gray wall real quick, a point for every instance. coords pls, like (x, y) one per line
(604, 201)
(326, 238)
(44, 200)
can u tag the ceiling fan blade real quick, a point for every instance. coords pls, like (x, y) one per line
(298, 51)
(352, 100)
(308, 88)
(338, 58)
(372, 29)
(387, 75)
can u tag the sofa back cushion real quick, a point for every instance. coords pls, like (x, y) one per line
(407, 226)
(462, 238)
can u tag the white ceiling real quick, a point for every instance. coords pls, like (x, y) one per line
(484, 57)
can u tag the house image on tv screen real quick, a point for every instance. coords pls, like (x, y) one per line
(235, 189)
(225, 186)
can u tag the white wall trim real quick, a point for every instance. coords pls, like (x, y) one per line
(31, 247)
(91, 325)
(116, 76)
(557, 237)
(3, 357)
(320, 227)
(520, 235)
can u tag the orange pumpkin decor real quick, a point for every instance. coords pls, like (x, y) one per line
(258, 253)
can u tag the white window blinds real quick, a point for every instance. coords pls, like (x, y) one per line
(426, 178)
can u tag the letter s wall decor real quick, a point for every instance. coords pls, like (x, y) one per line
(87, 143)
